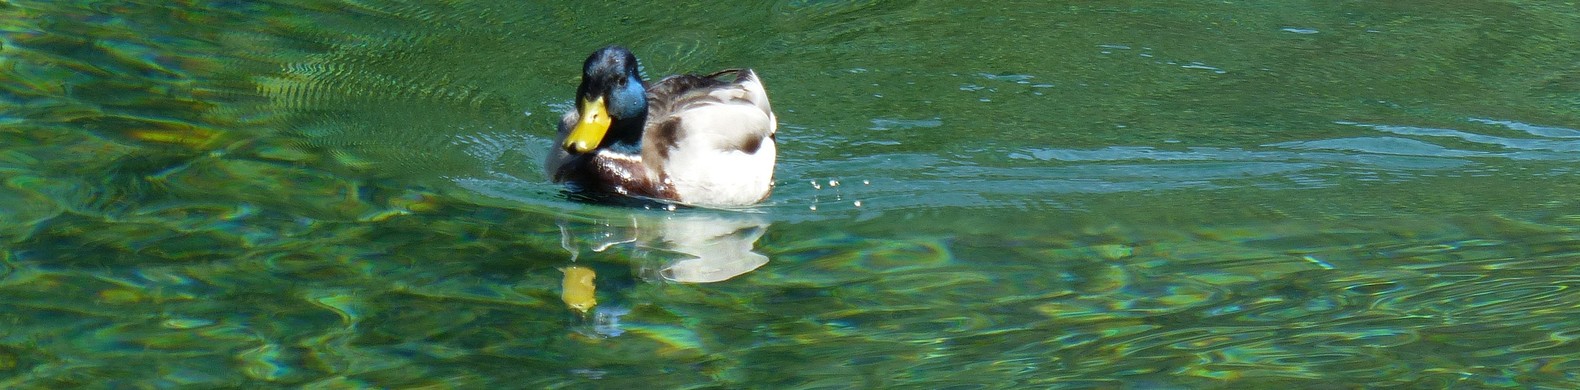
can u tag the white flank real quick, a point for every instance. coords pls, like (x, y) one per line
(704, 168)
(709, 176)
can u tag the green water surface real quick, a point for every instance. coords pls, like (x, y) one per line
(1122, 194)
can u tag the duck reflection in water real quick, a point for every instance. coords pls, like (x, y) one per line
(684, 246)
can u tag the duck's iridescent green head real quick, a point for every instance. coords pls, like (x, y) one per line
(611, 102)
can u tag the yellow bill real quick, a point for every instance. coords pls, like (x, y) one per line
(592, 127)
(577, 289)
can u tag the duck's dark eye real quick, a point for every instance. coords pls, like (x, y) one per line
(629, 100)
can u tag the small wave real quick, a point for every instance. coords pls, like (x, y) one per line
(1521, 144)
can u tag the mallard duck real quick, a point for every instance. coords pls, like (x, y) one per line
(695, 140)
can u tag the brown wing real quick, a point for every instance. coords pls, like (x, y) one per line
(672, 98)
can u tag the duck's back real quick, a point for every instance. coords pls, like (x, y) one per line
(712, 139)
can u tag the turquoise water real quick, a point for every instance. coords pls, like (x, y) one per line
(1232, 194)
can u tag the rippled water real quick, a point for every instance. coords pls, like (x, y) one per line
(1116, 195)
